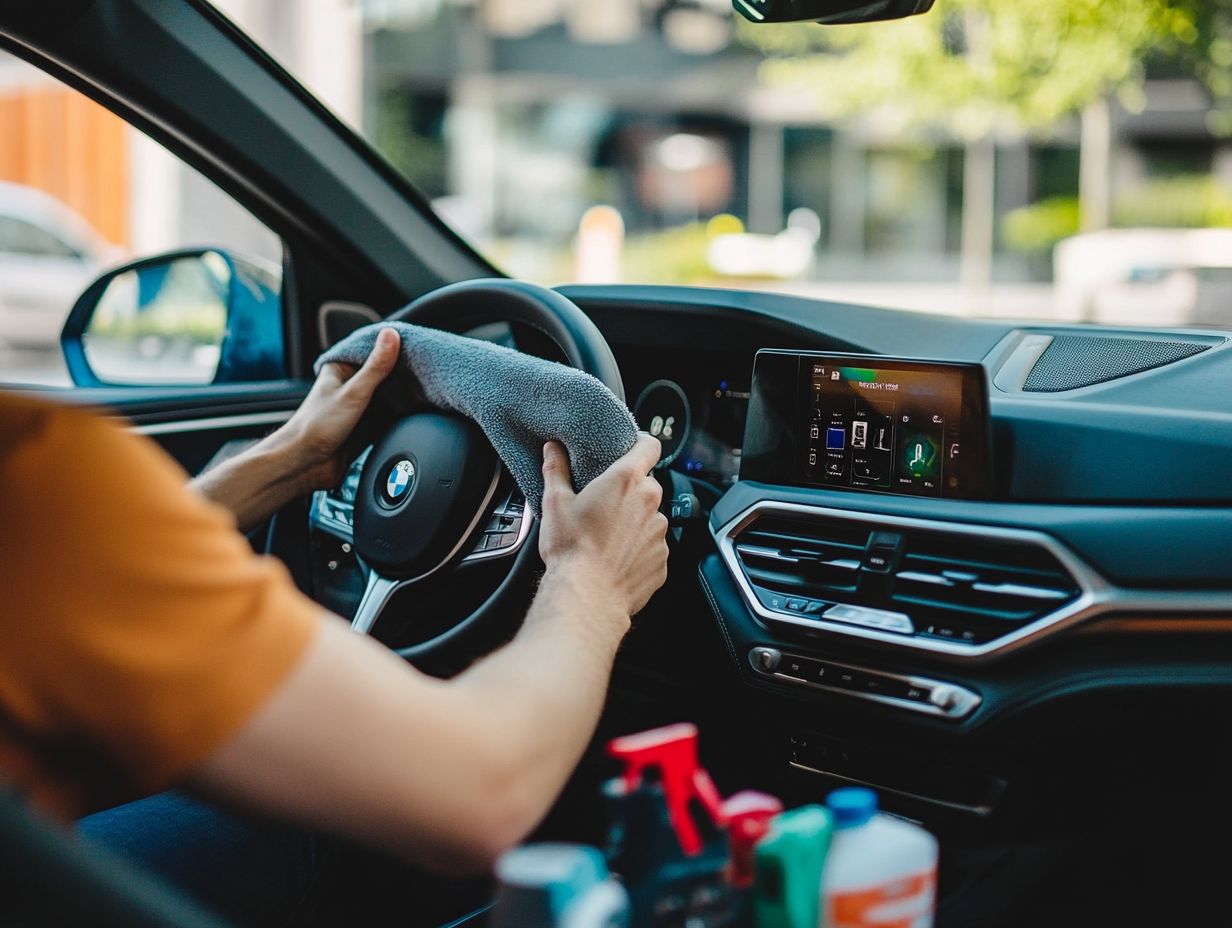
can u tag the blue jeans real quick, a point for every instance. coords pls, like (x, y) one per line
(249, 871)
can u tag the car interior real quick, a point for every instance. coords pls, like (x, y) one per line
(981, 566)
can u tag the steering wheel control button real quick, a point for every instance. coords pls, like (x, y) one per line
(765, 659)
(399, 481)
(880, 619)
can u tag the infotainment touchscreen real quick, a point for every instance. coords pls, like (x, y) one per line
(865, 422)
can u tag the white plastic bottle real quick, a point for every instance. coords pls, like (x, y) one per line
(881, 872)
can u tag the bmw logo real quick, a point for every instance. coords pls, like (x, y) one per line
(398, 482)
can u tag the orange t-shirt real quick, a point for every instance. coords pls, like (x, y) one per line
(138, 631)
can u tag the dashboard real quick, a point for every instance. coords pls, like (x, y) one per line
(1067, 601)
(950, 611)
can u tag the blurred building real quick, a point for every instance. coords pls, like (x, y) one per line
(518, 114)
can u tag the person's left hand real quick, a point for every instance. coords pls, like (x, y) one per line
(317, 434)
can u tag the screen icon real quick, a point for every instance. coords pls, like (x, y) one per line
(812, 459)
(836, 438)
(919, 457)
(883, 440)
(954, 451)
(937, 420)
(834, 375)
(814, 432)
(859, 434)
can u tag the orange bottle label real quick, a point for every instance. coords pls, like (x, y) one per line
(903, 903)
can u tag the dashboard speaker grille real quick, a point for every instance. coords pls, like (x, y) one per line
(1073, 361)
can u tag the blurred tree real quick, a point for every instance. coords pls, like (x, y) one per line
(981, 67)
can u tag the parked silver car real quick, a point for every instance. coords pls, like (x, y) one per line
(48, 255)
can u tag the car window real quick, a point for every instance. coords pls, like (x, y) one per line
(82, 192)
(19, 237)
(946, 163)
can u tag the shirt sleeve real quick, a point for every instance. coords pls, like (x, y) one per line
(137, 622)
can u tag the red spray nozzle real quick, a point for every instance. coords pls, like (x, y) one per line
(672, 750)
(749, 815)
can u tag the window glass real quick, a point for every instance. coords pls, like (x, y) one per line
(81, 192)
(945, 163)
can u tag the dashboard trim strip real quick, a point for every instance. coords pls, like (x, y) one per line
(214, 423)
(1098, 596)
(983, 810)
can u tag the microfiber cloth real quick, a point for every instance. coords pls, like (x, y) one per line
(519, 401)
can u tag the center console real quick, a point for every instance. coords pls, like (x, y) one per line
(821, 421)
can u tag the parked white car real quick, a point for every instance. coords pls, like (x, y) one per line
(1146, 277)
(48, 255)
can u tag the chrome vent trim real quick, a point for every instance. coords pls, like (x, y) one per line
(1097, 596)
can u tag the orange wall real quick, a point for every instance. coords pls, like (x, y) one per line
(61, 142)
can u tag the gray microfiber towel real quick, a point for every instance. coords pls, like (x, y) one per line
(518, 400)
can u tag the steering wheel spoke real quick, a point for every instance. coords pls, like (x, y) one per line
(377, 594)
(505, 532)
(502, 535)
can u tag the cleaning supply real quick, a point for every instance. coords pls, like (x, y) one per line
(749, 815)
(788, 864)
(557, 886)
(881, 871)
(668, 838)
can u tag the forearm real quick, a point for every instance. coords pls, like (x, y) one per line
(448, 774)
(556, 669)
(257, 483)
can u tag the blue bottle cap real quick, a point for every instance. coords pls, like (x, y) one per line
(852, 806)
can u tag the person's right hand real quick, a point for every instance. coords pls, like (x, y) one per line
(612, 534)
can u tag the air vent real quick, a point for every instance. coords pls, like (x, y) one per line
(974, 590)
(1072, 361)
(965, 585)
(802, 558)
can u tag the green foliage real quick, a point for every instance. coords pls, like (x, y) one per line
(975, 65)
(673, 256)
(417, 155)
(202, 323)
(1041, 225)
(1175, 202)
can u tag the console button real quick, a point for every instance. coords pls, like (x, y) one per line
(814, 606)
(881, 619)
(770, 599)
(846, 678)
(765, 659)
(883, 551)
(797, 605)
(801, 668)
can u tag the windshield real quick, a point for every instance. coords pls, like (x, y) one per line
(1057, 159)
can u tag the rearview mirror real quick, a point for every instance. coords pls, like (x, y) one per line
(188, 317)
(829, 12)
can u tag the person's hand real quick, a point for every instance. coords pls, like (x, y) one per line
(611, 536)
(317, 434)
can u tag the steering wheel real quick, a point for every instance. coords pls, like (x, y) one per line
(427, 498)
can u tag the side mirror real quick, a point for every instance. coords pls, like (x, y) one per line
(828, 12)
(200, 316)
